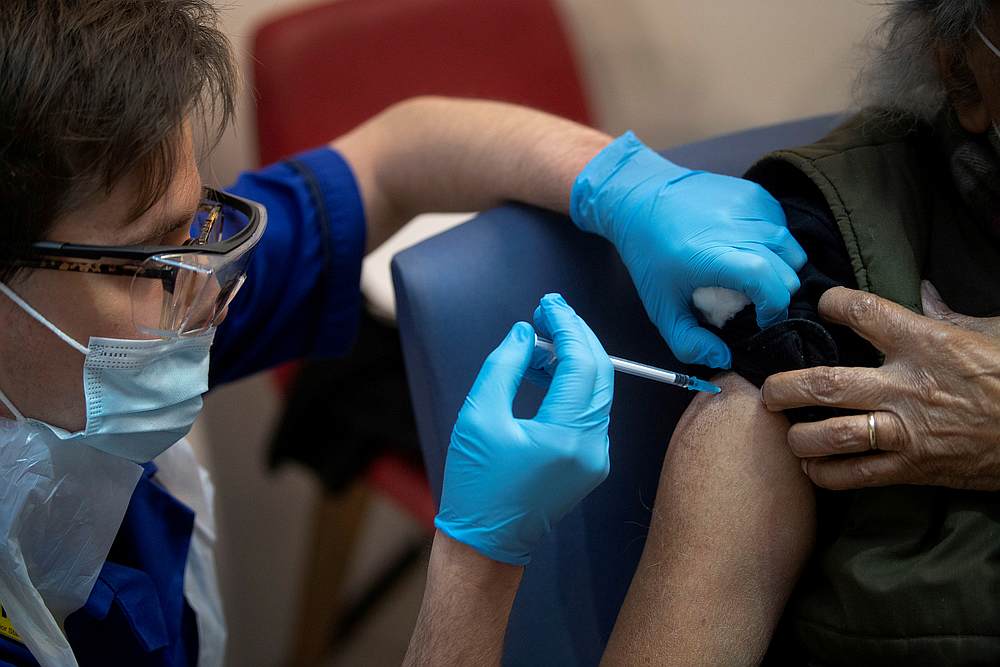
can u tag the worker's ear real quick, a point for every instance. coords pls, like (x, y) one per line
(963, 89)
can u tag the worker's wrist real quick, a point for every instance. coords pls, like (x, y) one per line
(465, 568)
(613, 174)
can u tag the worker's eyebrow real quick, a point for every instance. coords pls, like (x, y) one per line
(151, 235)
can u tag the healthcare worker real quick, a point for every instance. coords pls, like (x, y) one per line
(128, 290)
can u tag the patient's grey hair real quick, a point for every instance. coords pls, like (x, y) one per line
(902, 73)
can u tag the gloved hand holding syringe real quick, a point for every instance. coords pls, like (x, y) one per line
(508, 480)
(644, 371)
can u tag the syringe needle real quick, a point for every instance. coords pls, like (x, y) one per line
(645, 371)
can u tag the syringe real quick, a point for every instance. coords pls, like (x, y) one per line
(642, 370)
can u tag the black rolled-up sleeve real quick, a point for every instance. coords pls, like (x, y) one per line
(804, 340)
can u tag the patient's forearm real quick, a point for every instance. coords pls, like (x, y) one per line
(440, 154)
(467, 601)
(732, 525)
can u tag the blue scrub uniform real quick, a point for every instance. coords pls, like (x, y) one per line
(301, 299)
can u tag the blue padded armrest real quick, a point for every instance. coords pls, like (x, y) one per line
(457, 295)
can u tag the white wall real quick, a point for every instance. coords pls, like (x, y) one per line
(677, 70)
(671, 70)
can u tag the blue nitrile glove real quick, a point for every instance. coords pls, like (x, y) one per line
(677, 230)
(507, 481)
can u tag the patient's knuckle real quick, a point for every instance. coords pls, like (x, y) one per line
(843, 436)
(863, 310)
(863, 471)
(825, 383)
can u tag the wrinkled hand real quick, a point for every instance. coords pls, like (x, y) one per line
(935, 307)
(678, 230)
(507, 481)
(936, 401)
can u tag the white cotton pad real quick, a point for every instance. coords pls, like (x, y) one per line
(718, 305)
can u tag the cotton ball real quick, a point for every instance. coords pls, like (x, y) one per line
(718, 305)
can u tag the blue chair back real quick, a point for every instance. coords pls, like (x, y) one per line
(457, 295)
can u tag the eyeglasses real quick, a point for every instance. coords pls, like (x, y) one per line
(176, 290)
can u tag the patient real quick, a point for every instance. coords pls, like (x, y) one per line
(741, 544)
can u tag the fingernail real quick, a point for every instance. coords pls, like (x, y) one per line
(523, 331)
(763, 399)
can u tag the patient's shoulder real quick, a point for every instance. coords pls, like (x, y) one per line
(730, 419)
(737, 393)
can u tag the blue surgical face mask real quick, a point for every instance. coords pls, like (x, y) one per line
(142, 396)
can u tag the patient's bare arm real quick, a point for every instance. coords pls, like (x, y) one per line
(733, 523)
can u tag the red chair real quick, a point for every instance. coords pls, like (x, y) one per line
(322, 71)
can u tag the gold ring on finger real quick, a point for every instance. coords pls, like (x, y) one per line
(872, 439)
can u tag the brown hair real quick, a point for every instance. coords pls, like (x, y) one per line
(94, 90)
